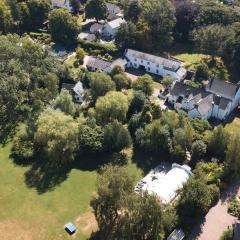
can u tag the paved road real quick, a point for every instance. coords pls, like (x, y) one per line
(217, 220)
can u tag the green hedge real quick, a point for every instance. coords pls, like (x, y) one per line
(109, 48)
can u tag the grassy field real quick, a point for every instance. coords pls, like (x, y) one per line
(26, 214)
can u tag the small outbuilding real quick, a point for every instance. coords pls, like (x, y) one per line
(70, 228)
(110, 29)
(177, 234)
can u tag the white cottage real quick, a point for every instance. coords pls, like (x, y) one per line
(110, 29)
(62, 4)
(218, 100)
(76, 90)
(97, 64)
(154, 64)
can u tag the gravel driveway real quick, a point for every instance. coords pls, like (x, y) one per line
(217, 219)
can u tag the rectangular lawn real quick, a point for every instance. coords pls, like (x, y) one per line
(26, 214)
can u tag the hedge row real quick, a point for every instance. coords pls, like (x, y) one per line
(109, 48)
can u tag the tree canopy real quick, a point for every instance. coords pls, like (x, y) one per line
(57, 135)
(63, 27)
(96, 9)
(112, 106)
(120, 212)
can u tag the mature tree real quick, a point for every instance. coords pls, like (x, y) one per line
(186, 14)
(232, 161)
(65, 103)
(167, 81)
(112, 106)
(75, 4)
(133, 10)
(236, 58)
(90, 139)
(114, 185)
(116, 137)
(199, 149)
(144, 83)
(80, 54)
(202, 72)
(63, 27)
(122, 214)
(122, 81)
(218, 143)
(36, 14)
(116, 70)
(213, 13)
(212, 39)
(100, 84)
(23, 147)
(144, 37)
(6, 19)
(28, 79)
(160, 15)
(137, 103)
(194, 202)
(155, 138)
(171, 119)
(57, 135)
(96, 9)
(200, 125)
(126, 36)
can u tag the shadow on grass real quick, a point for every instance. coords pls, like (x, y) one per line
(7, 131)
(44, 176)
(146, 161)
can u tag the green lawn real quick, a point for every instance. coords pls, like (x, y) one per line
(191, 60)
(29, 215)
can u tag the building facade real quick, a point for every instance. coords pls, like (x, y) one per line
(155, 65)
(217, 100)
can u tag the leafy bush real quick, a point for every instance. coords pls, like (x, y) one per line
(22, 150)
(234, 207)
(105, 47)
(202, 72)
(228, 234)
(215, 193)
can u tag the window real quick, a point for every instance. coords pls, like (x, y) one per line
(157, 65)
(141, 61)
(148, 63)
(135, 59)
(148, 68)
(157, 71)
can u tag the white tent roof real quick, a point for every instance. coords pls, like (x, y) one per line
(165, 185)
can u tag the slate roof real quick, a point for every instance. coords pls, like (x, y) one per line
(166, 63)
(96, 27)
(180, 88)
(68, 86)
(116, 23)
(103, 65)
(202, 98)
(205, 104)
(224, 103)
(78, 89)
(222, 88)
(113, 8)
(98, 63)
